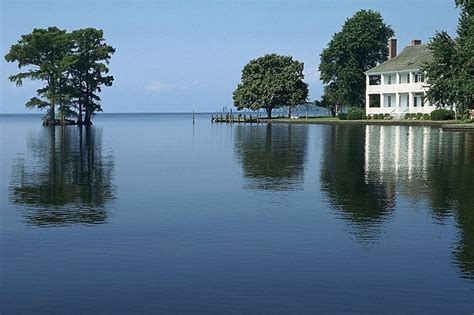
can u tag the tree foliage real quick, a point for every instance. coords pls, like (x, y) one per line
(450, 74)
(42, 52)
(329, 100)
(72, 65)
(359, 46)
(88, 68)
(271, 81)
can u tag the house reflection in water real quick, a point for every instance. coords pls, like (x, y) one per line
(432, 166)
(399, 152)
(64, 178)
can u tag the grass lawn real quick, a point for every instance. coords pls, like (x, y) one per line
(335, 120)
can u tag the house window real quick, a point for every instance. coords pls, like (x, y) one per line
(374, 79)
(389, 79)
(419, 77)
(415, 100)
(419, 100)
(408, 78)
(374, 100)
(389, 101)
(408, 100)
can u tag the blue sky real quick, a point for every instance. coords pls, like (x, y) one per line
(176, 56)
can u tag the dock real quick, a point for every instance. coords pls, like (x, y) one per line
(239, 119)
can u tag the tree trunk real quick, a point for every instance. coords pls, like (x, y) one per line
(289, 111)
(269, 113)
(87, 119)
(52, 111)
(79, 118)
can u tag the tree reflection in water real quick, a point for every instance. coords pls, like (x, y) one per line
(272, 156)
(365, 204)
(64, 178)
(363, 167)
(451, 182)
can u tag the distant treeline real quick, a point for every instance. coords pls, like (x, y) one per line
(72, 65)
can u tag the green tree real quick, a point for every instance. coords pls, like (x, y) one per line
(359, 46)
(329, 100)
(42, 53)
(74, 67)
(441, 72)
(88, 68)
(450, 74)
(271, 81)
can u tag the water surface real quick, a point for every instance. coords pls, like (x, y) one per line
(150, 213)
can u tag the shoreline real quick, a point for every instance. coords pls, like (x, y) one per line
(445, 125)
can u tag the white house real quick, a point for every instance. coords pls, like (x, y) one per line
(396, 87)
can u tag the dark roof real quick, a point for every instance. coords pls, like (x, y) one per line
(411, 58)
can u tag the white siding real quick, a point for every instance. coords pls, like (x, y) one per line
(401, 92)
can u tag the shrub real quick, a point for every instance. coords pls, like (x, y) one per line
(376, 116)
(407, 116)
(369, 117)
(426, 116)
(387, 117)
(355, 113)
(442, 114)
(419, 116)
(342, 116)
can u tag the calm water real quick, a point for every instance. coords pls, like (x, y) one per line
(148, 213)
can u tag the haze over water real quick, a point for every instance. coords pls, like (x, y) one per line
(150, 213)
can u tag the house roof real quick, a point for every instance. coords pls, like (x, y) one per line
(411, 58)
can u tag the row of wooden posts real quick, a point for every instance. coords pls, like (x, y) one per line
(229, 118)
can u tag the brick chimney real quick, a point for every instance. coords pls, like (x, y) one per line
(392, 48)
(416, 42)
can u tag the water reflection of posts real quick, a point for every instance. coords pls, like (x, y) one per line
(397, 151)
